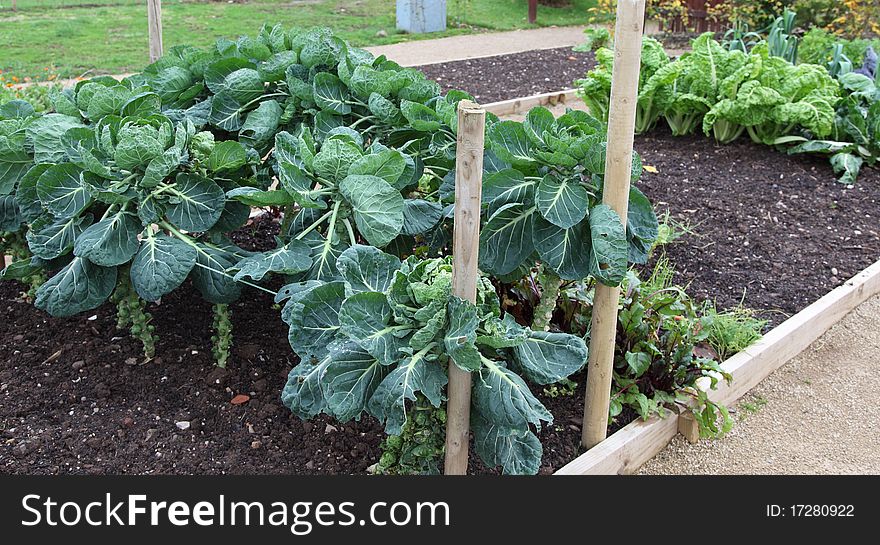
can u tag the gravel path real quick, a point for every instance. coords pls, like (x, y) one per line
(471, 46)
(818, 414)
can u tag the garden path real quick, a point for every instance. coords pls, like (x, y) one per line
(486, 44)
(817, 414)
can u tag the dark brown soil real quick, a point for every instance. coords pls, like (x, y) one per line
(774, 231)
(76, 398)
(491, 79)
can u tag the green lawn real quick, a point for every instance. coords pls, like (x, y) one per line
(113, 39)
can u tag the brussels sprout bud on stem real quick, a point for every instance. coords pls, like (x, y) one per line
(222, 338)
(131, 313)
(551, 284)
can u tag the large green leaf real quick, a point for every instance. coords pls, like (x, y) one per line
(330, 93)
(10, 217)
(226, 112)
(387, 164)
(78, 287)
(244, 85)
(350, 380)
(566, 251)
(562, 202)
(609, 250)
(261, 124)
(366, 319)
(504, 399)
(378, 207)
(288, 259)
(545, 358)
(420, 117)
(49, 238)
(302, 394)
(510, 143)
(335, 158)
(45, 133)
(420, 216)
(14, 163)
(112, 241)
(62, 192)
(161, 265)
(414, 374)
(252, 196)
(846, 166)
(366, 268)
(199, 202)
(315, 325)
(227, 155)
(211, 277)
(506, 239)
(461, 334)
(507, 186)
(516, 450)
(161, 167)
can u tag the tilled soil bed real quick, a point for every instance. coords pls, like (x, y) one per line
(75, 396)
(774, 231)
(502, 77)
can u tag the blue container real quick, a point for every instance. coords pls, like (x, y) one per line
(420, 16)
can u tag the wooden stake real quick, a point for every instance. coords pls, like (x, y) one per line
(618, 162)
(533, 11)
(154, 24)
(465, 251)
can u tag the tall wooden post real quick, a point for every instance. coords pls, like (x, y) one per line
(618, 164)
(154, 24)
(533, 11)
(465, 252)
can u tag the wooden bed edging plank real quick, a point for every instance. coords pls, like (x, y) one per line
(524, 104)
(636, 443)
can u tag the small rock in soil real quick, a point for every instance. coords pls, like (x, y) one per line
(151, 433)
(256, 444)
(183, 425)
(240, 399)
(78, 364)
(310, 465)
(18, 338)
(20, 449)
(330, 428)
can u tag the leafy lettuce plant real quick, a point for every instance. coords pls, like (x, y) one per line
(855, 140)
(686, 88)
(770, 98)
(595, 87)
(381, 338)
(547, 206)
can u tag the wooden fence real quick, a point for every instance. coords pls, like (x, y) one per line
(698, 19)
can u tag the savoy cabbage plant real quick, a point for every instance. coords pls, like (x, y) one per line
(381, 337)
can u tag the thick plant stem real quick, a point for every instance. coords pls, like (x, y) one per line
(545, 307)
(287, 218)
(222, 337)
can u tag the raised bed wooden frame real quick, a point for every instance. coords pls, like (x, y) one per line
(625, 451)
